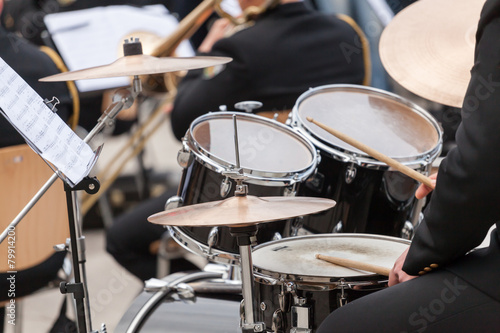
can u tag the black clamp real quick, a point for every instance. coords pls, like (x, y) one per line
(73, 288)
(246, 235)
(91, 185)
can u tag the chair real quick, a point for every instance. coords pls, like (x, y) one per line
(30, 244)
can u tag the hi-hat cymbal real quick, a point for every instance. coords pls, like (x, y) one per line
(140, 64)
(428, 48)
(241, 211)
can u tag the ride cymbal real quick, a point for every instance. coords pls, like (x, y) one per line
(241, 211)
(140, 64)
(428, 48)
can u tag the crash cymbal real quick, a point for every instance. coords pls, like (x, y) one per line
(428, 48)
(241, 211)
(140, 64)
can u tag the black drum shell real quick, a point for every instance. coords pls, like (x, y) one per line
(375, 201)
(320, 302)
(200, 184)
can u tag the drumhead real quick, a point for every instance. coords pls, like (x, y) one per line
(295, 258)
(386, 122)
(267, 148)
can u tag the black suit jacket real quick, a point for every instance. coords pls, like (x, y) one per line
(290, 49)
(466, 200)
(31, 64)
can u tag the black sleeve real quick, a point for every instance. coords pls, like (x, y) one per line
(465, 203)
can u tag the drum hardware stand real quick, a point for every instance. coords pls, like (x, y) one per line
(77, 246)
(162, 288)
(246, 236)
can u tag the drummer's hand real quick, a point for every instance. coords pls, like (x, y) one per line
(397, 275)
(218, 30)
(423, 189)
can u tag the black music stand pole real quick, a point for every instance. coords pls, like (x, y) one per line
(91, 186)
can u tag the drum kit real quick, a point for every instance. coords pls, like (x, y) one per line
(273, 199)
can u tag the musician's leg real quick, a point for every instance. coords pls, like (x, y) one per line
(436, 302)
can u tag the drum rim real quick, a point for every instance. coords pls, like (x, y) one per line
(260, 177)
(192, 245)
(361, 158)
(266, 273)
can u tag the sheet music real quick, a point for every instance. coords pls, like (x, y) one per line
(94, 37)
(43, 129)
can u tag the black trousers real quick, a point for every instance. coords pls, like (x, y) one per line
(463, 297)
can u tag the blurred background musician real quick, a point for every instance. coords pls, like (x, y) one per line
(31, 63)
(284, 52)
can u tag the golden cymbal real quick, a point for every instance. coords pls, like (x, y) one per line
(428, 48)
(241, 211)
(140, 64)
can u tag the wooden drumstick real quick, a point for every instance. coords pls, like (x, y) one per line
(376, 154)
(355, 264)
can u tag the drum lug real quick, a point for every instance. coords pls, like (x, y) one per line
(338, 227)
(213, 237)
(350, 173)
(296, 224)
(284, 301)
(301, 316)
(407, 231)
(278, 321)
(225, 187)
(342, 298)
(291, 191)
(173, 202)
(185, 292)
(184, 158)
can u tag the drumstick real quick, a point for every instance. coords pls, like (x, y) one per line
(355, 264)
(376, 154)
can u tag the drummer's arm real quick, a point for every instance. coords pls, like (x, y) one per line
(397, 274)
(464, 204)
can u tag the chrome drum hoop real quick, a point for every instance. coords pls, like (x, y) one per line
(416, 161)
(198, 248)
(257, 177)
(315, 282)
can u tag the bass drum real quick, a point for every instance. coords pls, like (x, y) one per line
(274, 160)
(371, 198)
(187, 303)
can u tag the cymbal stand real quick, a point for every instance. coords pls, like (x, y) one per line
(246, 236)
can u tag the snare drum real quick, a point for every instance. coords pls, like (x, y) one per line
(274, 159)
(295, 291)
(371, 198)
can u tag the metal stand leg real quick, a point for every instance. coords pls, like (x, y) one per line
(246, 236)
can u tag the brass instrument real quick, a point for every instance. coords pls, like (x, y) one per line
(162, 83)
(248, 14)
(186, 28)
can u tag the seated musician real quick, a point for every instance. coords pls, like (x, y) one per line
(438, 285)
